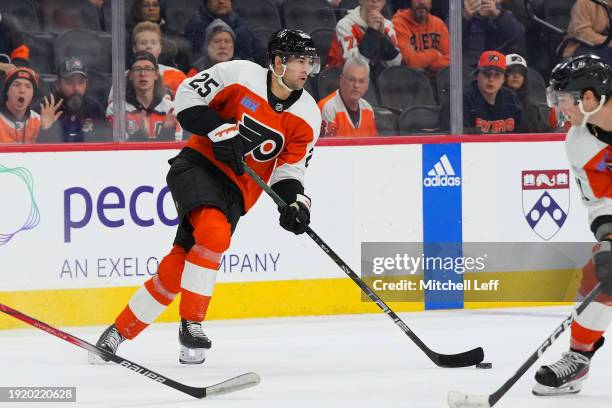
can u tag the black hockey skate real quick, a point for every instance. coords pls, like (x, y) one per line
(109, 341)
(193, 341)
(566, 375)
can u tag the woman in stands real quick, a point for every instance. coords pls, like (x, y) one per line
(516, 79)
(149, 111)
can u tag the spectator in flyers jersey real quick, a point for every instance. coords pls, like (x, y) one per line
(149, 112)
(422, 38)
(364, 32)
(488, 107)
(18, 122)
(344, 111)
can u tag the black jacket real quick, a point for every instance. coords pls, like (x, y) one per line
(88, 124)
(506, 116)
(247, 45)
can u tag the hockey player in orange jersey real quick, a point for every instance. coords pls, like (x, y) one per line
(580, 90)
(236, 110)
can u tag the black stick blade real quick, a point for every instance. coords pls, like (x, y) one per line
(465, 359)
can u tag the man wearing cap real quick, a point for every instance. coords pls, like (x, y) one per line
(218, 47)
(18, 123)
(487, 106)
(82, 118)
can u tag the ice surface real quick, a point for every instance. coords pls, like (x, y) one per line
(331, 361)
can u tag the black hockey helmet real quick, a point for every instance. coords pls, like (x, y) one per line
(576, 74)
(293, 43)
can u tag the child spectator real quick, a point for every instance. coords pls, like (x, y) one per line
(18, 123)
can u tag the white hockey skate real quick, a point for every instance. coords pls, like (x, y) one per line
(194, 342)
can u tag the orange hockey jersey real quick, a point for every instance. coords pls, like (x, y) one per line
(24, 131)
(278, 143)
(422, 45)
(337, 122)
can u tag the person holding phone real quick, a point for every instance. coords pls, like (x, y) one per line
(487, 26)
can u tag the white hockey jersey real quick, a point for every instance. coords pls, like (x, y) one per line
(590, 159)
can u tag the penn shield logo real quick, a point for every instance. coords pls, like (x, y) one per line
(19, 209)
(546, 200)
(442, 175)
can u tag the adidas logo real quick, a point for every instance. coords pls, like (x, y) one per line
(442, 175)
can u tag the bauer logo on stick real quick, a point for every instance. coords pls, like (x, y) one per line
(546, 200)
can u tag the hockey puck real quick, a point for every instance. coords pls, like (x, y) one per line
(484, 365)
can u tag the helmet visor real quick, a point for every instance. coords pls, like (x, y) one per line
(560, 99)
(312, 63)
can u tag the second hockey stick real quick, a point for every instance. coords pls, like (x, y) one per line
(233, 384)
(460, 400)
(465, 359)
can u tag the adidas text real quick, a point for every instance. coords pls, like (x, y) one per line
(442, 181)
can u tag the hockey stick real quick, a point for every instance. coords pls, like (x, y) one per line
(460, 400)
(233, 384)
(465, 359)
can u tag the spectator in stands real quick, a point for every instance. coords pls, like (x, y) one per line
(18, 122)
(82, 118)
(589, 21)
(344, 111)
(364, 32)
(13, 50)
(487, 26)
(147, 36)
(218, 46)
(516, 79)
(488, 107)
(247, 44)
(439, 8)
(423, 38)
(149, 112)
(147, 10)
(97, 3)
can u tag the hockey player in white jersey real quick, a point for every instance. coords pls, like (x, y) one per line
(580, 91)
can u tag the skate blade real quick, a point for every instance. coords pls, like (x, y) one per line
(540, 390)
(192, 355)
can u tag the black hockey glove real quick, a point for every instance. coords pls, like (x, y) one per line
(602, 259)
(227, 146)
(295, 217)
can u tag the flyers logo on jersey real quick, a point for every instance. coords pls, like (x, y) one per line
(260, 141)
(545, 200)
